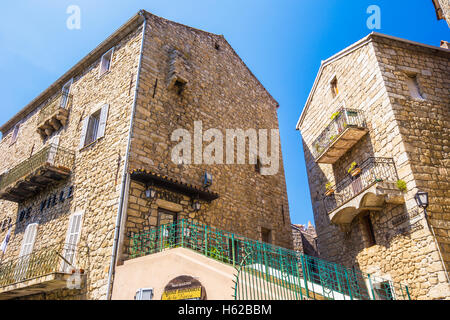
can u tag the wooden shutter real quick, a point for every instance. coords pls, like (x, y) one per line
(102, 123)
(28, 240)
(73, 234)
(83, 132)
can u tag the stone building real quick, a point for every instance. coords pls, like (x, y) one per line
(305, 239)
(442, 10)
(89, 161)
(375, 130)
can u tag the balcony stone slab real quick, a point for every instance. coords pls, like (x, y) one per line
(344, 142)
(46, 283)
(373, 198)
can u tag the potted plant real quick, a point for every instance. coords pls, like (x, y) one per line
(329, 188)
(354, 170)
(401, 185)
(335, 115)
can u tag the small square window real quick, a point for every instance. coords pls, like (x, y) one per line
(92, 129)
(334, 87)
(413, 86)
(15, 133)
(266, 235)
(105, 63)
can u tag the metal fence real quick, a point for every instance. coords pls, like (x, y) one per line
(373, 170)
(61, 101)
(59, 258)
(341, 120)
(51, 155)
(265, 271)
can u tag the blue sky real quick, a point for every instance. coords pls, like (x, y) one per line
(282, 42)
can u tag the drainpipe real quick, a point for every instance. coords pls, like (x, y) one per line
(125, 169)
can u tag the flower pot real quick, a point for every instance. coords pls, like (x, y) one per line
(355, 172)
(329, 192)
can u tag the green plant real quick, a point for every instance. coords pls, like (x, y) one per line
(335, 115)
(332, 137)
(352, 166)
(401, 185)
(328, 186)
(215, 253)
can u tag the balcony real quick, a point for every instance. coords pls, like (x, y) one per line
(54, 115)
(374, 186)
(44, 270)
(50, 165)
(347, 127)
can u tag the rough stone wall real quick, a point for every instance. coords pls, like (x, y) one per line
(445, 6)
(424, 128)
(403, 252)
(97, 173)
(221, 92)
(304, 240)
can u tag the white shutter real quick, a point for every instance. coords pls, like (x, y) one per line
(73, 234)
(83, 132)
(28, 240)
(103, 119)
(29, 236)
(54, 143)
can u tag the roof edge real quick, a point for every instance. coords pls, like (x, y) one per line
(351, 48)
(116, 36)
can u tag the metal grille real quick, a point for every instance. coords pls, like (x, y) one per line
(39, 263)
(265, 271)
(52, 155)
(372, 170)
(342, 120)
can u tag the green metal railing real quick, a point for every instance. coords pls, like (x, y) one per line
(51, 155)
(265, 271)
(61, 101)
(37, 264)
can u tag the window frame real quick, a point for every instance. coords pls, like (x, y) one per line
(98, 127)
(102, 59)
(15, 133)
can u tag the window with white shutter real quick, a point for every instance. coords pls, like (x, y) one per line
(72, 237)
(15, 133)
(26, 249)
(65, 93)
(94, 126)
(105, 62)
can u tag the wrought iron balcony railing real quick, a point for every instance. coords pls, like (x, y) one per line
(373, 170)
(273, 272)
(54, 115)
(40, 263)
(52, 163)
(345, 129)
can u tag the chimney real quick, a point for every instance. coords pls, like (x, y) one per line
(445, 44)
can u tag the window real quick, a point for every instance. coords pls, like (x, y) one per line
(266, 235)
(383, 291)
(368, 229)
(65, 93)
(26, 249)
(334, 87)
(105, 63)
(94, 127)
(15, 133)
(413, 85)
(72, 237)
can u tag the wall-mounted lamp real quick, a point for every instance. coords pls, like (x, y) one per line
(150, 192)
(207, 179)
(421, 198)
